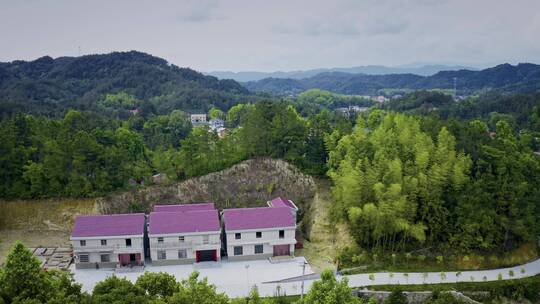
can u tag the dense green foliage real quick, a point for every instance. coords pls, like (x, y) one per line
(328, 290)
(22, 281)
(85, 154)
(520, 78)
(402, 182)
(51, 86)
(315, 100)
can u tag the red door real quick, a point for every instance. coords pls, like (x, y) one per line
(282, 250)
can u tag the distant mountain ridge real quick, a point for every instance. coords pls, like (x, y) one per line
(523, 77)
(423, 70)
(47, 85)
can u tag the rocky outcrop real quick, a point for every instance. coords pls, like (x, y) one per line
(247, 184)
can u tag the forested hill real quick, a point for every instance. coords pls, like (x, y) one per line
(524, 77)
(49, 86)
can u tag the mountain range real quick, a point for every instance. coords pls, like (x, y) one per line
(523, 77)
(422, 70)
(49, 86)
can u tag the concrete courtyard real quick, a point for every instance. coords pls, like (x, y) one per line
(233, 278)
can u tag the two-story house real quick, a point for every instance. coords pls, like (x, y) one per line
(106, 241)
(184, 237)
(255, 233)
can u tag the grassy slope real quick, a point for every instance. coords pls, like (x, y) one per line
(326, 238)
(39, 222)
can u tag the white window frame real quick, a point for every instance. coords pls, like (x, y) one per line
(162, 255)
(182, 254)
(260, 246)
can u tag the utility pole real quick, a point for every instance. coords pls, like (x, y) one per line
(455, 87)
(303, 274)
(247, 277)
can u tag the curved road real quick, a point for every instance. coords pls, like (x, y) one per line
(292, 286)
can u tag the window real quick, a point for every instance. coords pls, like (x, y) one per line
(105, 258)
(162, 255)
(259, 249)
(182, 254)
(205, 239)
(282, 234)
(238, 250)
(181, 239)
(103, 242)
(237, 236)
(160, 240)
(128, 242)
(83, 258)
(258, 234)
(82, 242)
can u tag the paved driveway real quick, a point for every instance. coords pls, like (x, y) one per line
(233, 278)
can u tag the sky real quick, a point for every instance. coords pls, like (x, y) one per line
(257, 35)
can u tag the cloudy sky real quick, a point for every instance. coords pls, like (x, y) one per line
(277, 35)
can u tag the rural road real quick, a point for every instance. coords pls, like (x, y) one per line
(292, 286)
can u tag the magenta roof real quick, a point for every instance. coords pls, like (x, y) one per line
(281, 202)
(108, 225)
(181, 222)
(185, 207)
(256, 218)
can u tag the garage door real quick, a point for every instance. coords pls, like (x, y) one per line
(206, 255)
(281, 250)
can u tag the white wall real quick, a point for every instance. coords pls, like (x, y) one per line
(112, 243)
(192, 242)
(249, 240)
(114, 246)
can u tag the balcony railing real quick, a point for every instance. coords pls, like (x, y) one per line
(111, 247)
(186, 244)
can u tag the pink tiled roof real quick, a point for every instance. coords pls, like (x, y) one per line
(183, 222)
(256, 218)
(108, 225)
(184, 207)
(281, 202)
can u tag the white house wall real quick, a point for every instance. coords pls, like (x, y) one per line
(269, 238)
(115, 245)
(192, 242)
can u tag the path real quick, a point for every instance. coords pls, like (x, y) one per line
(326, 238)
(291, 286)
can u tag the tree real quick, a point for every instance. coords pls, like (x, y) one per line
(195, 291)
(118, 290)
(328, 290)
(391, 180)
(216, 113)
(160, 284)
(22, 277)
(23, 281)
